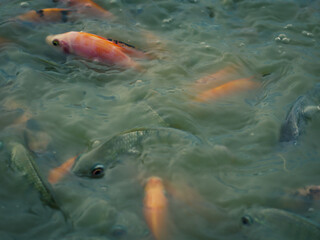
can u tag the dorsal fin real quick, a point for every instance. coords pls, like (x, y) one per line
(120, 43)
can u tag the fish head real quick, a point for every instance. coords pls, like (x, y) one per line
(154, 183)
(59, 41)
(105, 155)
(90, 165)
(93, 202)
(255, 225)
(93, 163)
(274, 223)
(256, 217)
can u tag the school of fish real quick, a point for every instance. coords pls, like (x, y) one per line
(111, 52)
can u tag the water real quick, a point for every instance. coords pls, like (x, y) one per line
(78, 103)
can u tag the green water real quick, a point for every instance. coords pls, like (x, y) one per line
(77, 103)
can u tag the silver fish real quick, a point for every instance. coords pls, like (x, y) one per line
(22, 159)
(92, 163)
(271, 223)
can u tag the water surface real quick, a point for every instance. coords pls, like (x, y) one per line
(240, 163)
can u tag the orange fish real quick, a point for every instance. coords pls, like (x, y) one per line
(235, 86)
(87, 7)
(155, 207)
(217, 77)
(94, 48)
(56, 174)
(46, 15)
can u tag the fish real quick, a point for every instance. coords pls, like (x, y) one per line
(92, 47)
(87, 7)
(156, 207)
(56, 174)
(46, 15)
(23, 161)
(92, 163)
(217, 77)
(272, 223)
(227, 89)
(300, 112)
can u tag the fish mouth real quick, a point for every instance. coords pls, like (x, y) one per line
(49, 39)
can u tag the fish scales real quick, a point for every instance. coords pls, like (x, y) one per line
(128, 142)
(132, 138)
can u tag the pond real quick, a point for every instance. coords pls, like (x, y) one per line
(199, 120)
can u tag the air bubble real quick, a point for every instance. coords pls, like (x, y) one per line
(167, 20)
(24, 4)
(96, 143)
(308, 34)
(282, 38)
(288, 26)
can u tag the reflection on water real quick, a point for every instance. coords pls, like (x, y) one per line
(60, 105)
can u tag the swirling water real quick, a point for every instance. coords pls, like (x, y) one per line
(240, 164)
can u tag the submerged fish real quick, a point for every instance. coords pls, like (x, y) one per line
(271, 223)
(229, 88)
(87, 7)
(302, 110)
(24, 162)
(155, 207)
(92, 47)
(46, 15)
(92, 163)
(217, 77)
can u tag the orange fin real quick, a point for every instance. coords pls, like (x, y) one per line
(56, 174)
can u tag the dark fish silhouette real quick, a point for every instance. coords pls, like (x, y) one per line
(301, 111)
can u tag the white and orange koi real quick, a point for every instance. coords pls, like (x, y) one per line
(155, 207)
(94, 47)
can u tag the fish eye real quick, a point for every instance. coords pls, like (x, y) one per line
(55, 42)
(97, 171)
(246, 220)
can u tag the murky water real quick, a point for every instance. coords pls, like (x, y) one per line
(235, 164)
